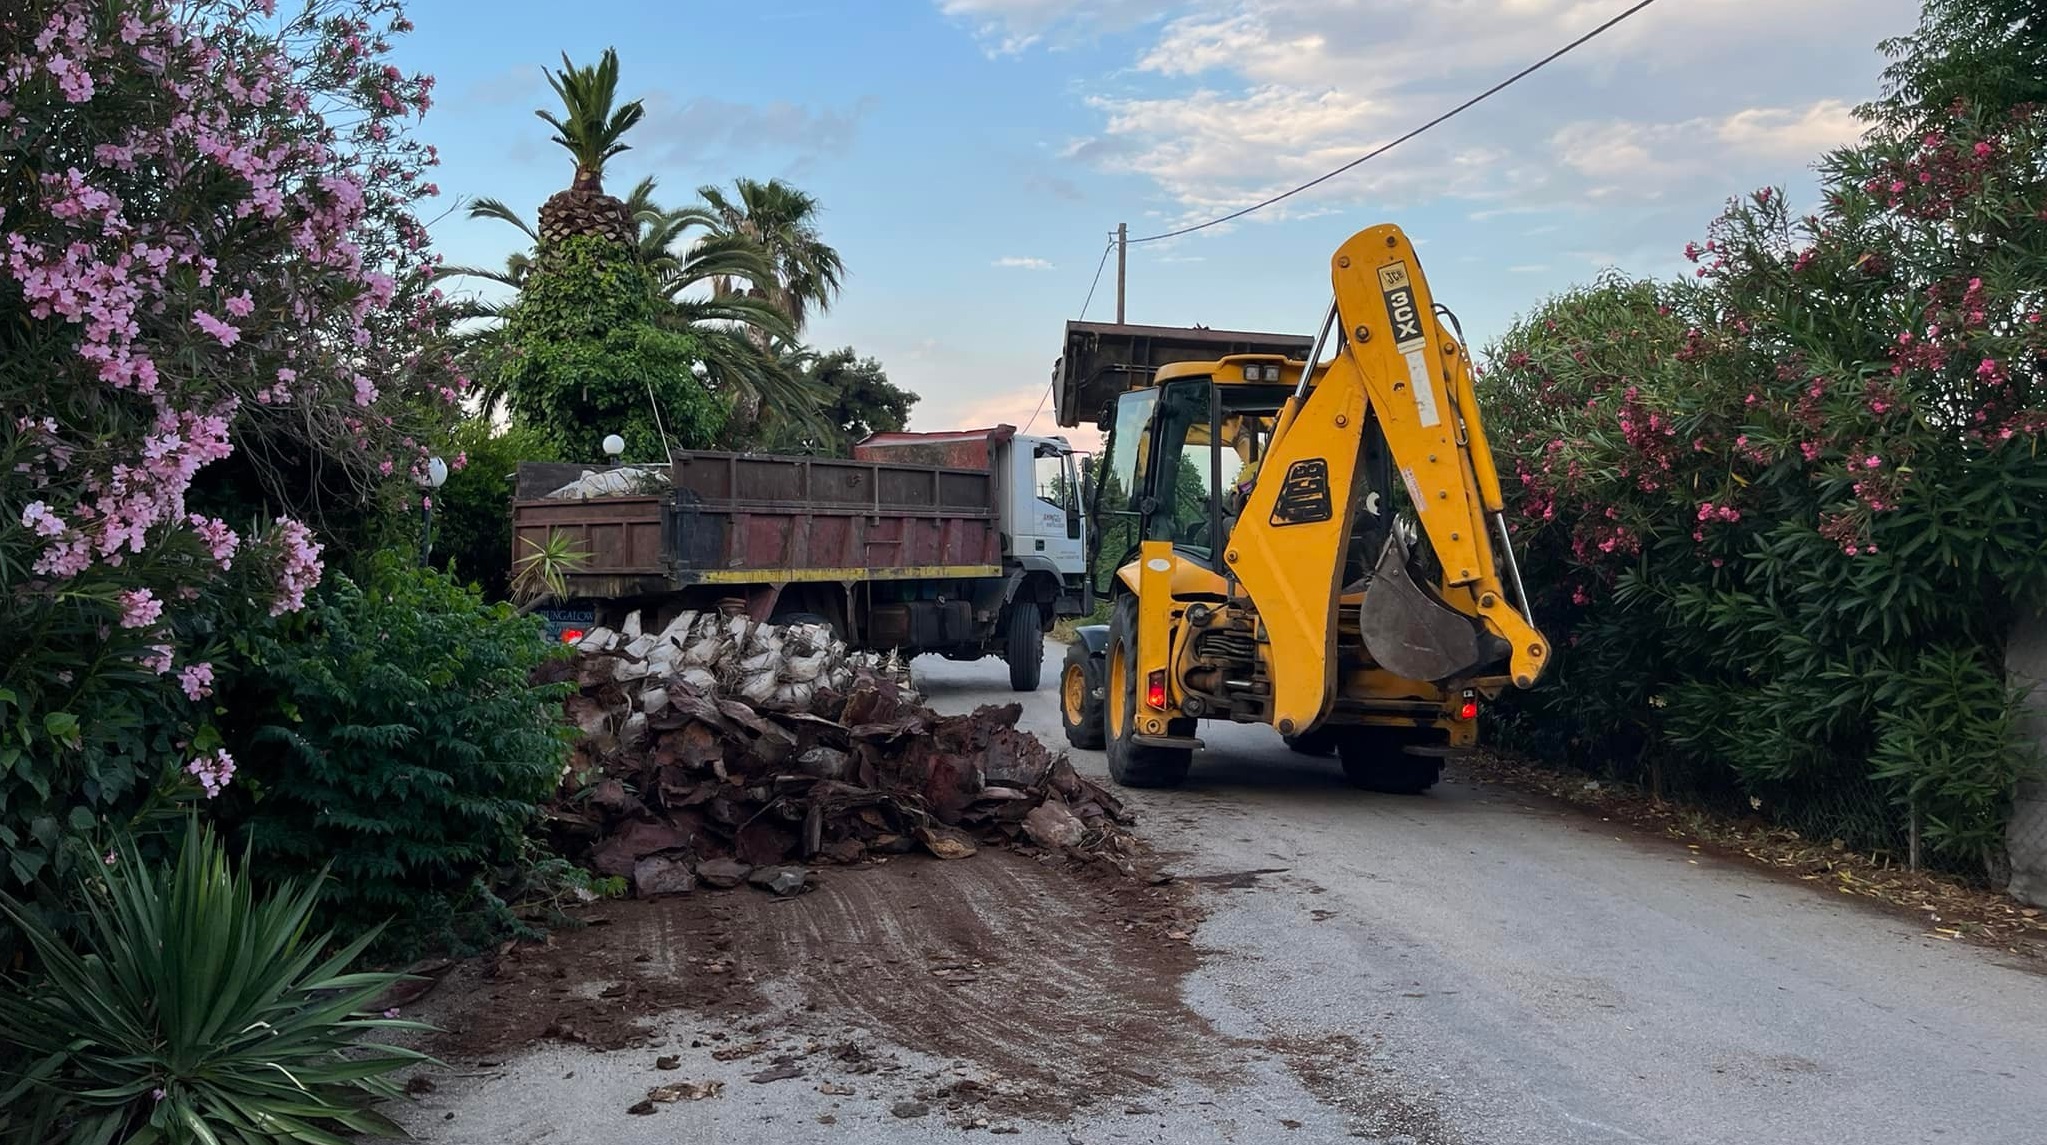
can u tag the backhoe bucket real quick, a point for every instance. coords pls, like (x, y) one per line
(1407, 630)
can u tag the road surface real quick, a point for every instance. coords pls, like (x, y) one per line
(1469, 966)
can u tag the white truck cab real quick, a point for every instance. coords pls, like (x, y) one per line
(1041, 509)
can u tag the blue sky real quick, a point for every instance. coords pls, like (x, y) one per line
(972, 155)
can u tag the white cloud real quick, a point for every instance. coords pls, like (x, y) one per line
(1231, 101)
(1619, 152)
(1528, 268)
(1012, 262)
(1777, 133)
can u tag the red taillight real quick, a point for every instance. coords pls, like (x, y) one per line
(1155, 689)
(1469, 711)
(571, 635)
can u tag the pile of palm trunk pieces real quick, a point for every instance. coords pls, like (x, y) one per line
(720, 751)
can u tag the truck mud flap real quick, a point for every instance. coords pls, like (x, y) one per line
(1410, 632)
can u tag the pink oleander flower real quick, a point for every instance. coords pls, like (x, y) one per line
(225, 333)
(220, 540)
(213, 771)
(139, 608)
(196, 680)
(302, 568)
(37, 516)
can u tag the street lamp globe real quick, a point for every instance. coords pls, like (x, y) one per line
(613, 445)
(700, 371)
(436, 473)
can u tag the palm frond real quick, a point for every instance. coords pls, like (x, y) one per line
(489, 208)
(593, 127)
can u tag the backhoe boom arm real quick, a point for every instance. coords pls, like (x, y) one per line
(1396, 362)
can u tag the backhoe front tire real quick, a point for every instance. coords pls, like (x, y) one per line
(1373, 761)
(1081, 697)
(1025, 646)
(1133, 764)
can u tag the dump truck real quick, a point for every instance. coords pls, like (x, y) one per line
(964, 544)
(1314, 545)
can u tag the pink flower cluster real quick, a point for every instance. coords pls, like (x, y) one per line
(219, 540)
(228, 230)
(139, 608)
(213, 771)
(299, 566)
(196, 680)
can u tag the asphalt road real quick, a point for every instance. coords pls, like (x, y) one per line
(1540, 980)
(1466, 966)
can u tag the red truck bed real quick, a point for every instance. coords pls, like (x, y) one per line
(739, 519)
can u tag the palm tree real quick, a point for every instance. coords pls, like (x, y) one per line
(781, 220)
(741, 334)
(590, 130)
(744, 339)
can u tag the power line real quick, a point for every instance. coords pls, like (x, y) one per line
(1467, 105)
(1083, 317)
(1098, 279)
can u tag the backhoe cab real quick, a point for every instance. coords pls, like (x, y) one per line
(1320, 548)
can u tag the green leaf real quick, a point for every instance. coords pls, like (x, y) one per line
(62, 726)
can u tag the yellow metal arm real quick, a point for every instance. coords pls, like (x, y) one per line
(1395, 362)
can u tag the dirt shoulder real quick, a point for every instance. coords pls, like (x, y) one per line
(1951, 910)
(1059, 988)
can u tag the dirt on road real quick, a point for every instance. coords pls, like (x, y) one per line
(1061, 989)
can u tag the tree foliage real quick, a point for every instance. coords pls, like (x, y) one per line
(216, 321)
(1784, 515)
(584, 357)
(855, 401)
(473, 511)
(392, 736)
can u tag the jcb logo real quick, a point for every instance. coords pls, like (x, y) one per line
(1401, 310)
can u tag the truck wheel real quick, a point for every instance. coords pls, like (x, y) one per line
(1320, 743)
(1133, 764)
(1026, 646)
(1375, 762)
(1080, 697)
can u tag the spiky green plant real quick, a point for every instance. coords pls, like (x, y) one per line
(190, 1010)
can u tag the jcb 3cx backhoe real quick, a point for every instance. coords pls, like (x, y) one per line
(1317, 546)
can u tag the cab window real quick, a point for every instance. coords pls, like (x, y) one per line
(1051, 476)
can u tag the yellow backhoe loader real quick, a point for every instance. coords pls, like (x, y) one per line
(1314, 545)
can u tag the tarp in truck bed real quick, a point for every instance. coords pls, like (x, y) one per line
(1100, 360)
(952, 448)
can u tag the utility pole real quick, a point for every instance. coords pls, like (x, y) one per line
(1122, 263)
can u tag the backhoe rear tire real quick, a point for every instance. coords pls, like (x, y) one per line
(1081, 697)
(1133, 764)
(1024, 646)
(1372, 760)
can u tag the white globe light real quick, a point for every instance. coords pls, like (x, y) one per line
(436, 472)
(614, 444)
(701, 371)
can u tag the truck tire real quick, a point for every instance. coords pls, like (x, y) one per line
(1080, 697)
(1320, 743)
(1133, 764)
(1025, 646)
(1374, 762)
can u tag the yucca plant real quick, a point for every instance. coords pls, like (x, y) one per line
(541, 571)
(190, 1010)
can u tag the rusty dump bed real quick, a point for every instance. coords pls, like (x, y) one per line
(746, 520)
(1100, 360)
